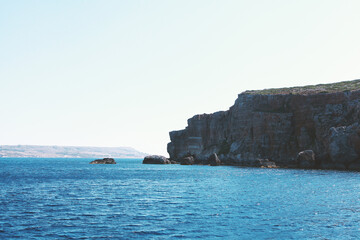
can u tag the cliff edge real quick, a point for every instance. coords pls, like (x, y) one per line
(277, 125)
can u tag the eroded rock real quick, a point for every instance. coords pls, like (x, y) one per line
(277, 127)
(189, 160)
(344, 143)
(214, 160)
(104, 161)
(306, 159)
(264, 163)
(156, 159)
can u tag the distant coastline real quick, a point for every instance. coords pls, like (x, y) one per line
(40, 151)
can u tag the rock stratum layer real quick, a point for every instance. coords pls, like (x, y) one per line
(262, 127)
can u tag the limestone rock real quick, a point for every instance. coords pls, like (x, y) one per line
(277, 127)
(306, 159)
(264, 163)
(104, 161)
(344, 143)
(214, 160)
(156, 159)
(187, 160)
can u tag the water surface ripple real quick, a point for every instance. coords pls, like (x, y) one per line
(71, 199)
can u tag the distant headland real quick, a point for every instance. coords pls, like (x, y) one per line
(308, 127)
(34, 151)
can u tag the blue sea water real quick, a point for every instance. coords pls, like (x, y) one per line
(71, 199)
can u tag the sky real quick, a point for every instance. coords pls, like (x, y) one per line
(126, 73)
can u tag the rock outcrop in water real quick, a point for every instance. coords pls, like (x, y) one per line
(275, 126)
(104, 161)
(214, 160)
(189, 160)
(156, 159)
(306, 159)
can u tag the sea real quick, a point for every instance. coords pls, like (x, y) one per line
(72, 199)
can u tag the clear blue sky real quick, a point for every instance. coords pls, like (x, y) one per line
(125, 73)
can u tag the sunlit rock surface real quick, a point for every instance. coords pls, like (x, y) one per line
(277, 127)
(156, 159)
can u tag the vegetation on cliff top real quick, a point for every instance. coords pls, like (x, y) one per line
(311, 89)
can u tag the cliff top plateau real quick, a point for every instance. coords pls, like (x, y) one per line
(310, 89)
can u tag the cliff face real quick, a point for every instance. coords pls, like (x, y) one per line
(277, 127)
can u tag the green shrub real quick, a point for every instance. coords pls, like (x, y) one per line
(311, 89)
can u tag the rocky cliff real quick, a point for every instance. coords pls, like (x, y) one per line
(276, 125)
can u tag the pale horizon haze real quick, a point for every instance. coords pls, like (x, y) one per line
(125, 73)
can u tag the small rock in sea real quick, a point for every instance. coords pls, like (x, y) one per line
(187, 160)
(264, 163)
(156, 159)
(104, 161)
(306, 159)
(214, 160)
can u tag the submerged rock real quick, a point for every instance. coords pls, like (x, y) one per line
(156, 159)
(104, 161)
